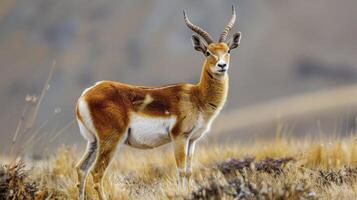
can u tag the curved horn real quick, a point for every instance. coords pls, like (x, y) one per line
(197, 30)
(229, 26)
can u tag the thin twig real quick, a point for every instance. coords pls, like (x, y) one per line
(18, 128)
(38, 131)
(19, 125)
(62, 130)
(51, 133)
(33, 117)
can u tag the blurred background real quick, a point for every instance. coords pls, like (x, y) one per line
(295, 72)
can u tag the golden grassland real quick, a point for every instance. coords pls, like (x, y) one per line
(281, 168)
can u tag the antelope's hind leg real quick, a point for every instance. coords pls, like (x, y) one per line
(106, 149)
(86, 162)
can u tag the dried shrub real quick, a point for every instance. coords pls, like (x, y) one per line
(346, 175)
(268, 165)
(246, 179)
(14, 183)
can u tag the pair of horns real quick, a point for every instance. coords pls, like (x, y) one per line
(205, 35)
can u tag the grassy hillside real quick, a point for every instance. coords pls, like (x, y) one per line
(278, 169)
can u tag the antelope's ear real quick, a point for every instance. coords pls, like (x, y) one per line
(198, 45)
(235, 41)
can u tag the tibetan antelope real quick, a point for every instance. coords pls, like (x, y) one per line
(111, 113)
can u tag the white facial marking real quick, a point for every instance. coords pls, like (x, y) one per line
(149, 132)
(221, 61)
(215, 57)
(221, 65)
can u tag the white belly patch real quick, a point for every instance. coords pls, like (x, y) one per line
(149, 132)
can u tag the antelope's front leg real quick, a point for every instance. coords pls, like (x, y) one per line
(190, 151)
(180, 144)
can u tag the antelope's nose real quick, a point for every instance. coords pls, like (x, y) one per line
(222, 65)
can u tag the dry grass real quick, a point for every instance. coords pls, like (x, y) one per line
(277, 169)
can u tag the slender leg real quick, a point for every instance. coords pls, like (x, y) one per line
(190, 151)
(105, 153)
(84, 165)
(87, 160)
(180, 144)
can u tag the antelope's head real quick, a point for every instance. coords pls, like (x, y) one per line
(217, 53)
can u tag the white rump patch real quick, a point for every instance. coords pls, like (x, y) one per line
(149, 132)
(85, 132)
(86, 127)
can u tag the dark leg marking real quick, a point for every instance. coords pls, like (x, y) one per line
(84, 166)
(214, 106)
(187, 133)
(90, 158)
(128, 137)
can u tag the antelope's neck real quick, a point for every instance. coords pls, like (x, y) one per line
(212, 90)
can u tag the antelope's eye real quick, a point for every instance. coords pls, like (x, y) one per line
(208, 53)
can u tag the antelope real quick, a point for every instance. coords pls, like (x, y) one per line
(110, 113)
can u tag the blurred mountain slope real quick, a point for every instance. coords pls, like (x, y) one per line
(147, 43)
